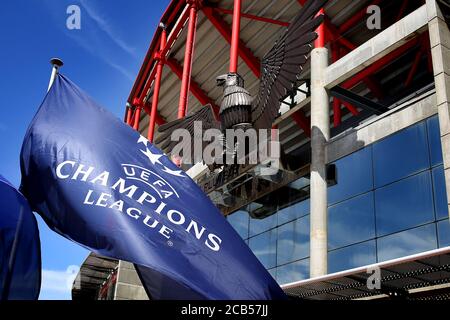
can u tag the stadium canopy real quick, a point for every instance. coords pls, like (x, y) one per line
(420, 277)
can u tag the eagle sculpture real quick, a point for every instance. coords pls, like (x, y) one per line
(280, 69)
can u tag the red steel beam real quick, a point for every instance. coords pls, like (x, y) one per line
(128, 115)
(224, 29)
(335, 35)
(235, 29)
(156, 87)
(137, 118)
(379, 64)
(194, 87)
(158, 119)
(302, 121)
(423, 50)
(320, 41)
(172, 10)
(356, 18)
(337, 114)
(254, 17)
(175, 32)
(188, 57)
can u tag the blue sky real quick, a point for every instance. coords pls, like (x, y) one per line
(103, 58)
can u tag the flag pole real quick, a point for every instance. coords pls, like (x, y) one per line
(56, 63)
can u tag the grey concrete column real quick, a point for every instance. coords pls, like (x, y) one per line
(128, 284)
(320, 134)
(440, 51)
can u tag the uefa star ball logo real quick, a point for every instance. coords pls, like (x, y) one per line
(140, 191)
(154, 159)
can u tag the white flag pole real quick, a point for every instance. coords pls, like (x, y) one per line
(56, 63)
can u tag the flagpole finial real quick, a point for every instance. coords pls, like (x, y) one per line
(56, 62)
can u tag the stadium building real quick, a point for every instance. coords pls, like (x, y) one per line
(365, 134)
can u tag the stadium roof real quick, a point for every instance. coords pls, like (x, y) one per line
(261, 23)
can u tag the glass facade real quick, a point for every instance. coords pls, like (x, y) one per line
(390, 201)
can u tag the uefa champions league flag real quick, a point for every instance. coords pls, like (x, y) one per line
(96, 181)
(20, 255)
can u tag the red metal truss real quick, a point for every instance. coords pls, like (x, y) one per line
(302, 121)
(148, 109)
(356, 18)
(169, 16)
(188, 57)
(224, 29)
(424, 49)
(137, 118)
(194, 87)
(179, 12)
(254, 17)
(235, 36)
(379, 64)
(157, 85)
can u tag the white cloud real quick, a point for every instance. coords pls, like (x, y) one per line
(57, 284)
(105, 26)
(93, 50)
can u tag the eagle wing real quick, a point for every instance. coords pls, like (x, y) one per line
(204, 115)
(282, 65)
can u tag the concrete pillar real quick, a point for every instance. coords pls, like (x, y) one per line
(128, 284)
(320, 134)
(440, 51)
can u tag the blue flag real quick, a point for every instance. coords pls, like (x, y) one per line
(20, 255)
(98, 182)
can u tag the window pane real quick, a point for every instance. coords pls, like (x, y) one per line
(293, 241)
(258, 226)
(357, 255)
(440, 193)
(354, 176)
(264, 247)
(407, 242)
(293, 212)
(295, 271)
(239, 221)
(351, 221)
(273, 273)
(434, 139)
(444, 233)
(400, 155)
(404, 204)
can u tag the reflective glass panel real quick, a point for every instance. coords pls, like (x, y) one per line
(264, 247)
(404, 204)
(434, 140)
(293, 212)
(357, 255)
(443, 233)
(258, 226)
(440, 193)
(354, 176)
(239, 220)
(407, 242)
(273, 273)
(294, 271)
(293, 240)
(400, 155)
(351, 221)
